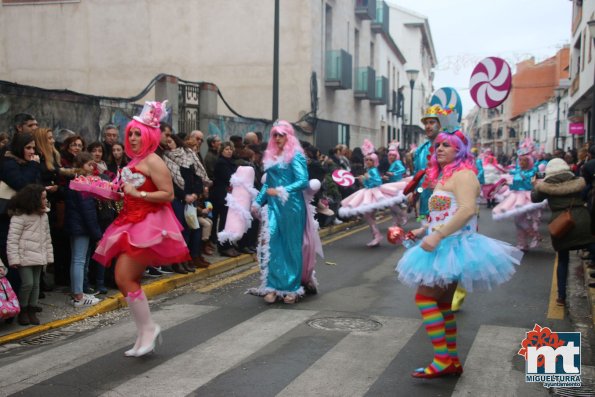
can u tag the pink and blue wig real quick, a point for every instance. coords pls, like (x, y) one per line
(464, 159)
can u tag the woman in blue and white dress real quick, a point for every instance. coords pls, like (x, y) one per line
(451, 251)
(289, 240)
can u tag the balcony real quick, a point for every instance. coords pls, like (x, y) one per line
(365, 83)
(380, 23)
(381, 95)
(365, 9)
(338, 70)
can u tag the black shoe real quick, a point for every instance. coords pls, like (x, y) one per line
(165, 270)
(178, 269)
(41, 294)
(188, 267)
(153, 272)
(232, 253)
(248, 250)
(90, 291)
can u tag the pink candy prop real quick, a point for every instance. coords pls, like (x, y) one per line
(490, 82)
(96, 187)
(343, 178)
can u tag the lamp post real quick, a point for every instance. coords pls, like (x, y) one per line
(276, 64)
(558, 93)
(412, 76)
(591, 131)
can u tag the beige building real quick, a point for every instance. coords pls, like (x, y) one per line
(340, 68)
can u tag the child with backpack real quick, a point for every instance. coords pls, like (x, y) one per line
(29, 246)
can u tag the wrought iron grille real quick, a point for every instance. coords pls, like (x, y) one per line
(189, 103)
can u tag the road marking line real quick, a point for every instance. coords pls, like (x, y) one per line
(554, 311)
(185, 373)
(352, 366)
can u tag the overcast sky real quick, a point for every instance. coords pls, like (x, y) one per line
(466, 31)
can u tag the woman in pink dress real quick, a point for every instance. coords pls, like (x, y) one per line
(146, 232)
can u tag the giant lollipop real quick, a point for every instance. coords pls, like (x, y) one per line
(448, 97)
(343, 178)
(490, 82)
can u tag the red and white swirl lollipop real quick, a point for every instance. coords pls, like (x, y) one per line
(343, 178)
(490, 82)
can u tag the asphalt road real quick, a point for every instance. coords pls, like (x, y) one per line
(360, 336)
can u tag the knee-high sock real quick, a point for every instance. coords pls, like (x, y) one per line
(434, 324)
(145, 327)
(450, 328)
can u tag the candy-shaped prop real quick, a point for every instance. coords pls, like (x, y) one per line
(491, 82)
(397, 235)
(343, 178)
(448, 98)
(96, 187)
(412, 185)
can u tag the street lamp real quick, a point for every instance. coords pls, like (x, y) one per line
(558, 91)
(591, 132)
(412, 76)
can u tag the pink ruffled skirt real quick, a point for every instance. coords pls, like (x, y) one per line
(367, 200)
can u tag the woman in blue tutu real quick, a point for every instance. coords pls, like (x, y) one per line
(451, 252)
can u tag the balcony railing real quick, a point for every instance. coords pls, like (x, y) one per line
(380, 23)
(365, 9)
(338, 70)
(381, 94)
(365, 83)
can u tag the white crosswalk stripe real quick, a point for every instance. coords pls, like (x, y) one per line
(352, 366)
(342, 371)
(180, 376)
(495, 348)
(20, 374)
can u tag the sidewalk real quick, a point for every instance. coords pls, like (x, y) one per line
(58, 312)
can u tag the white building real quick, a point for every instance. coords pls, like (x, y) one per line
(340, 70)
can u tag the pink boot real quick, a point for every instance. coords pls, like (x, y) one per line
(377, 237)
(147, 331)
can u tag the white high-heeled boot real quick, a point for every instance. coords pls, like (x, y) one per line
(147, 331)
(377, 237)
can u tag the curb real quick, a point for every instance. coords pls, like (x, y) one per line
(156, 288)
(590, 291)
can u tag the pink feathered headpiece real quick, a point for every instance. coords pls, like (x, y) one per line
(152, 114)
(367, 147)
(292, 146)
(526, 148)
(393, 148)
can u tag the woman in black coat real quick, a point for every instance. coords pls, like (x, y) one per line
(224, 169)
(563, 190)
(20, 167)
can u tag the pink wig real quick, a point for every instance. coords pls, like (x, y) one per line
(464, 159)
(374, 158)
(393, 148)
(150, 138)
(291, 147)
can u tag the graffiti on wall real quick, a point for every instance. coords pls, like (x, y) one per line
(224, 127)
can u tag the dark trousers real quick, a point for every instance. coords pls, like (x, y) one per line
(191, 236)
(562, 272)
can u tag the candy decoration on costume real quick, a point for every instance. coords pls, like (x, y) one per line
(343, 178)
(448, 97)
(96, 187)
(491, 82)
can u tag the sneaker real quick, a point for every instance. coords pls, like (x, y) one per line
(337, 221)
(86, 300)
(90, 291)
(165, 270)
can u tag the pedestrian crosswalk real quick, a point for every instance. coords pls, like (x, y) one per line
(335, 362)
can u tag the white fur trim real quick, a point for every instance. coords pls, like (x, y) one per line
(519, 210)
(236, 181)
(314, 186)
(283, 195)
(367, 208)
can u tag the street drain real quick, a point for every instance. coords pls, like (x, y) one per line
(46, 338)
(344, 324)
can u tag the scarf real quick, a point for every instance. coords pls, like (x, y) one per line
(183, 158)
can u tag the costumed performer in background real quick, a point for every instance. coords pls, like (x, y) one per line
(287, 221)
(493, 177)
(452, 252)
(146, 232)
(395, 173)
(374, 195)
(517, 203)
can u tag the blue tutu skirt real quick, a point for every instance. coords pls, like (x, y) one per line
(470, 259)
